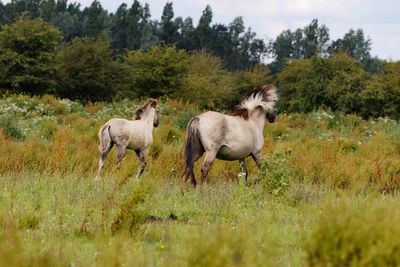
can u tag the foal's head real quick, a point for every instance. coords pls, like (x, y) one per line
(260, 99)
(144, 110)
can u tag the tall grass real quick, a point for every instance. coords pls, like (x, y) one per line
(328, 180)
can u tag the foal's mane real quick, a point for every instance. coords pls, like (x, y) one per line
(140, 111)
(264, 96)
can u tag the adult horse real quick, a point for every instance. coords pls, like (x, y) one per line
(230, 137)
(135, 134)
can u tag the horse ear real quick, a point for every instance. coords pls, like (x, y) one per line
(154, 103)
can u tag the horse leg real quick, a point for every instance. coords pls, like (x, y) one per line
(142, 157)
(207, 163)
(120, 154)
(244, 170)
(257, 157)
(103, 156)
(190, 173)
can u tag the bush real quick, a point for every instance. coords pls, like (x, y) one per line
(275, 175)
(356, 234)
(158, 72)
(340, 84)
(207, 84)
(27, 50)
(86, 71)
(10, 128)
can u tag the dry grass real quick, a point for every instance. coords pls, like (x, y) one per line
(53, 213)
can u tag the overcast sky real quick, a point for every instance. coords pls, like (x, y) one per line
(380, 19)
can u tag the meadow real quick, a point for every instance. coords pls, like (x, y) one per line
(327, 194)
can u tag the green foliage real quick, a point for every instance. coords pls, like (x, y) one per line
(356, 46)
(275, 174)
(381, 96)
(97, 19)
(356, 234)
(158, 72)
(168, 28)
(207, 84)
(306, 42)
(27, 49)
(340, 84)
(86, 71)
(248, 80)
(184, 118)
(9, 127)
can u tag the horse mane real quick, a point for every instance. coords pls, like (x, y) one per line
(140, 111)
(264, 96)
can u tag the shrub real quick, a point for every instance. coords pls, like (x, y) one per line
(27, 50)
(157, 72)
(10, 128)
(207, 84)
(86, 71)
(361, 233)
(275, 174)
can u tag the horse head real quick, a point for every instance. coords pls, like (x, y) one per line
(146, 108)
(271, 116)
(260, 99)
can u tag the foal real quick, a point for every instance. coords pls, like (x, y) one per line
(135, 134)
(230, 137)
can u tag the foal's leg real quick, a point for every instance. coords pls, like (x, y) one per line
(142, 157)
(120, 154)
(207, 163)
(244, 170)
(103, 157)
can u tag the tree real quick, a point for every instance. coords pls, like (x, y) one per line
(158, 72)
(168, 27)
(186, 36)
(302, 43)
(281, 49)
(135, 15)
(202, 32)
(96, 19)
(315, 39)
(119, 30)
(27, 49)
(149, 30)
(3, 14)
(358, 47)
(69, 24)
(85, 70)
(47, 10)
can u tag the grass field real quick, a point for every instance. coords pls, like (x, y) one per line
(327, 196)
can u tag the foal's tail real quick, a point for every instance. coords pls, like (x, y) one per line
(104, 137)
(193, 147)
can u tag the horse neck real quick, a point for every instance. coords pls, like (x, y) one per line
(148, 118)
(259, 121)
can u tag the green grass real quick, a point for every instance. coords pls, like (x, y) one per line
(326, 196)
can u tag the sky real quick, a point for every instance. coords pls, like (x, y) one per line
(379, 19)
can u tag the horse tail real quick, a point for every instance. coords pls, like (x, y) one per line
(193, 146)
(104, 136)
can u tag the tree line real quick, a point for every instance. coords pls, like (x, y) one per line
(49, 46)
(131, 28)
